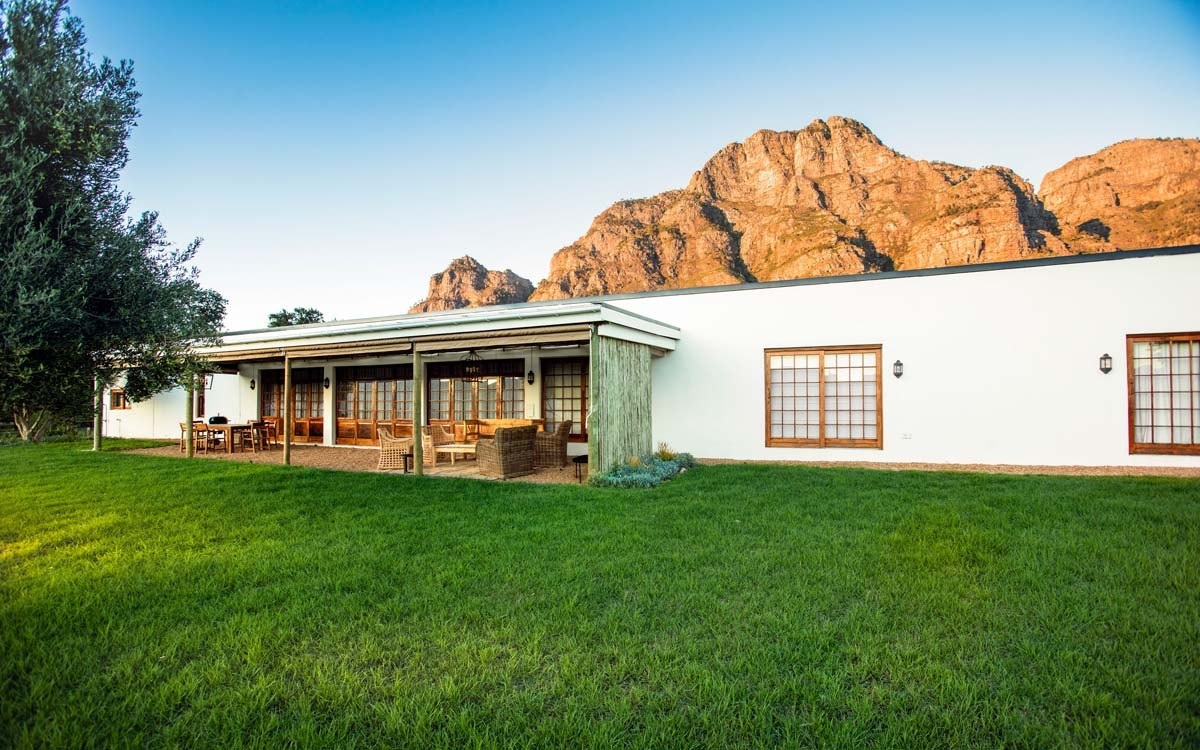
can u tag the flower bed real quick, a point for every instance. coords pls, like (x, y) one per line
(646, 471)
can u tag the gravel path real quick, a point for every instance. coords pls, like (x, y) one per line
(1082, 471)
(356, 459)
(367, 459)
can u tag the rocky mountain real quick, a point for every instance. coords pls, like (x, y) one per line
(466, 283)
(1142, 193)
(833, 199)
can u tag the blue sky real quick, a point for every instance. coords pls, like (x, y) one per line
(335, 154)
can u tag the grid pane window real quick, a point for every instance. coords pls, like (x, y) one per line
(271, 393)
(512, 402)
(489, 397)
(439, 398)
(1164, 393)
(345, 399)
(307, 402)
(824, 397)
(464, 399)
(363, 396)
(374, 393)
(404, 395)
(385, 399)
(564, 393)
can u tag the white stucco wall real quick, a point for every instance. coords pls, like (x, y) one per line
(159, 417)
(999, 366)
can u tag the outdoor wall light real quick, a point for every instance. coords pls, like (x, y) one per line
(1105, 363)
(326, 383)
(251, 383)
(898, 368)
(529, 378)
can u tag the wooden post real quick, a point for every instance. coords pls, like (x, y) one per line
(98, 415)
(591, 418)
(288, 415)
(189, 414)
(418, 408)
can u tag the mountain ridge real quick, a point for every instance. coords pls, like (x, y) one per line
(832, 199)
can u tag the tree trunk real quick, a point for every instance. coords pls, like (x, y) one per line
(189, 416)
(31, 423)
(98, 415)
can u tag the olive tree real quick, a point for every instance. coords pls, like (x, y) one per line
(89, 290)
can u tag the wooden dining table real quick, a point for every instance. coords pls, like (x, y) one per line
(246, 430)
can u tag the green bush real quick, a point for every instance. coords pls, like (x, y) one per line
(644, 472)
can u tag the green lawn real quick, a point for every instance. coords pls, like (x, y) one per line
(156, 602)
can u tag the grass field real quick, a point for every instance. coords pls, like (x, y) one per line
(155, 602)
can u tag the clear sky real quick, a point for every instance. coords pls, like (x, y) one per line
(335, 154)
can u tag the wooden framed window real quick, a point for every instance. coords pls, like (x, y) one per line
(476, 390)
(487, 398)
(564, 394)
(437, 403)
(1164, 393)
(824, 398)
(512, 397)
(270, 394)
(117, 400)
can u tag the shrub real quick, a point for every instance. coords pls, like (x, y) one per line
(645, 471)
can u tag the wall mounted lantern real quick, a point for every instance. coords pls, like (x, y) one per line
(529, 377)
(208, 381)
(251, 383)
(898, 368)
(1105, 363)
(326, 383)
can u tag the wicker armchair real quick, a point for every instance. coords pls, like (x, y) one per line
(432, 436)
(550, 448)
(392, 449)
(508, 454)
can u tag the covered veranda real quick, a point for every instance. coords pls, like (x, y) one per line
(472, 372)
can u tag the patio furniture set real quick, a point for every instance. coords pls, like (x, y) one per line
(219, 434)
(511, 452)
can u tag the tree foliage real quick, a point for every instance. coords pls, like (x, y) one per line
(89, 291)
(296, 317)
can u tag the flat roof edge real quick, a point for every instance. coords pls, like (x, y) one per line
(1003, 265)
(603, 300)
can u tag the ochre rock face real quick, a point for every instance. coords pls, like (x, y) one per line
(466, 283)
(827, 200)
(1133, 194)
(832, 199)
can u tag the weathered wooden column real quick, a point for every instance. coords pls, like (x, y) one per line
(288, 414)
(590, 418)
(418, 409)
(189, 415)
(98, 414)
